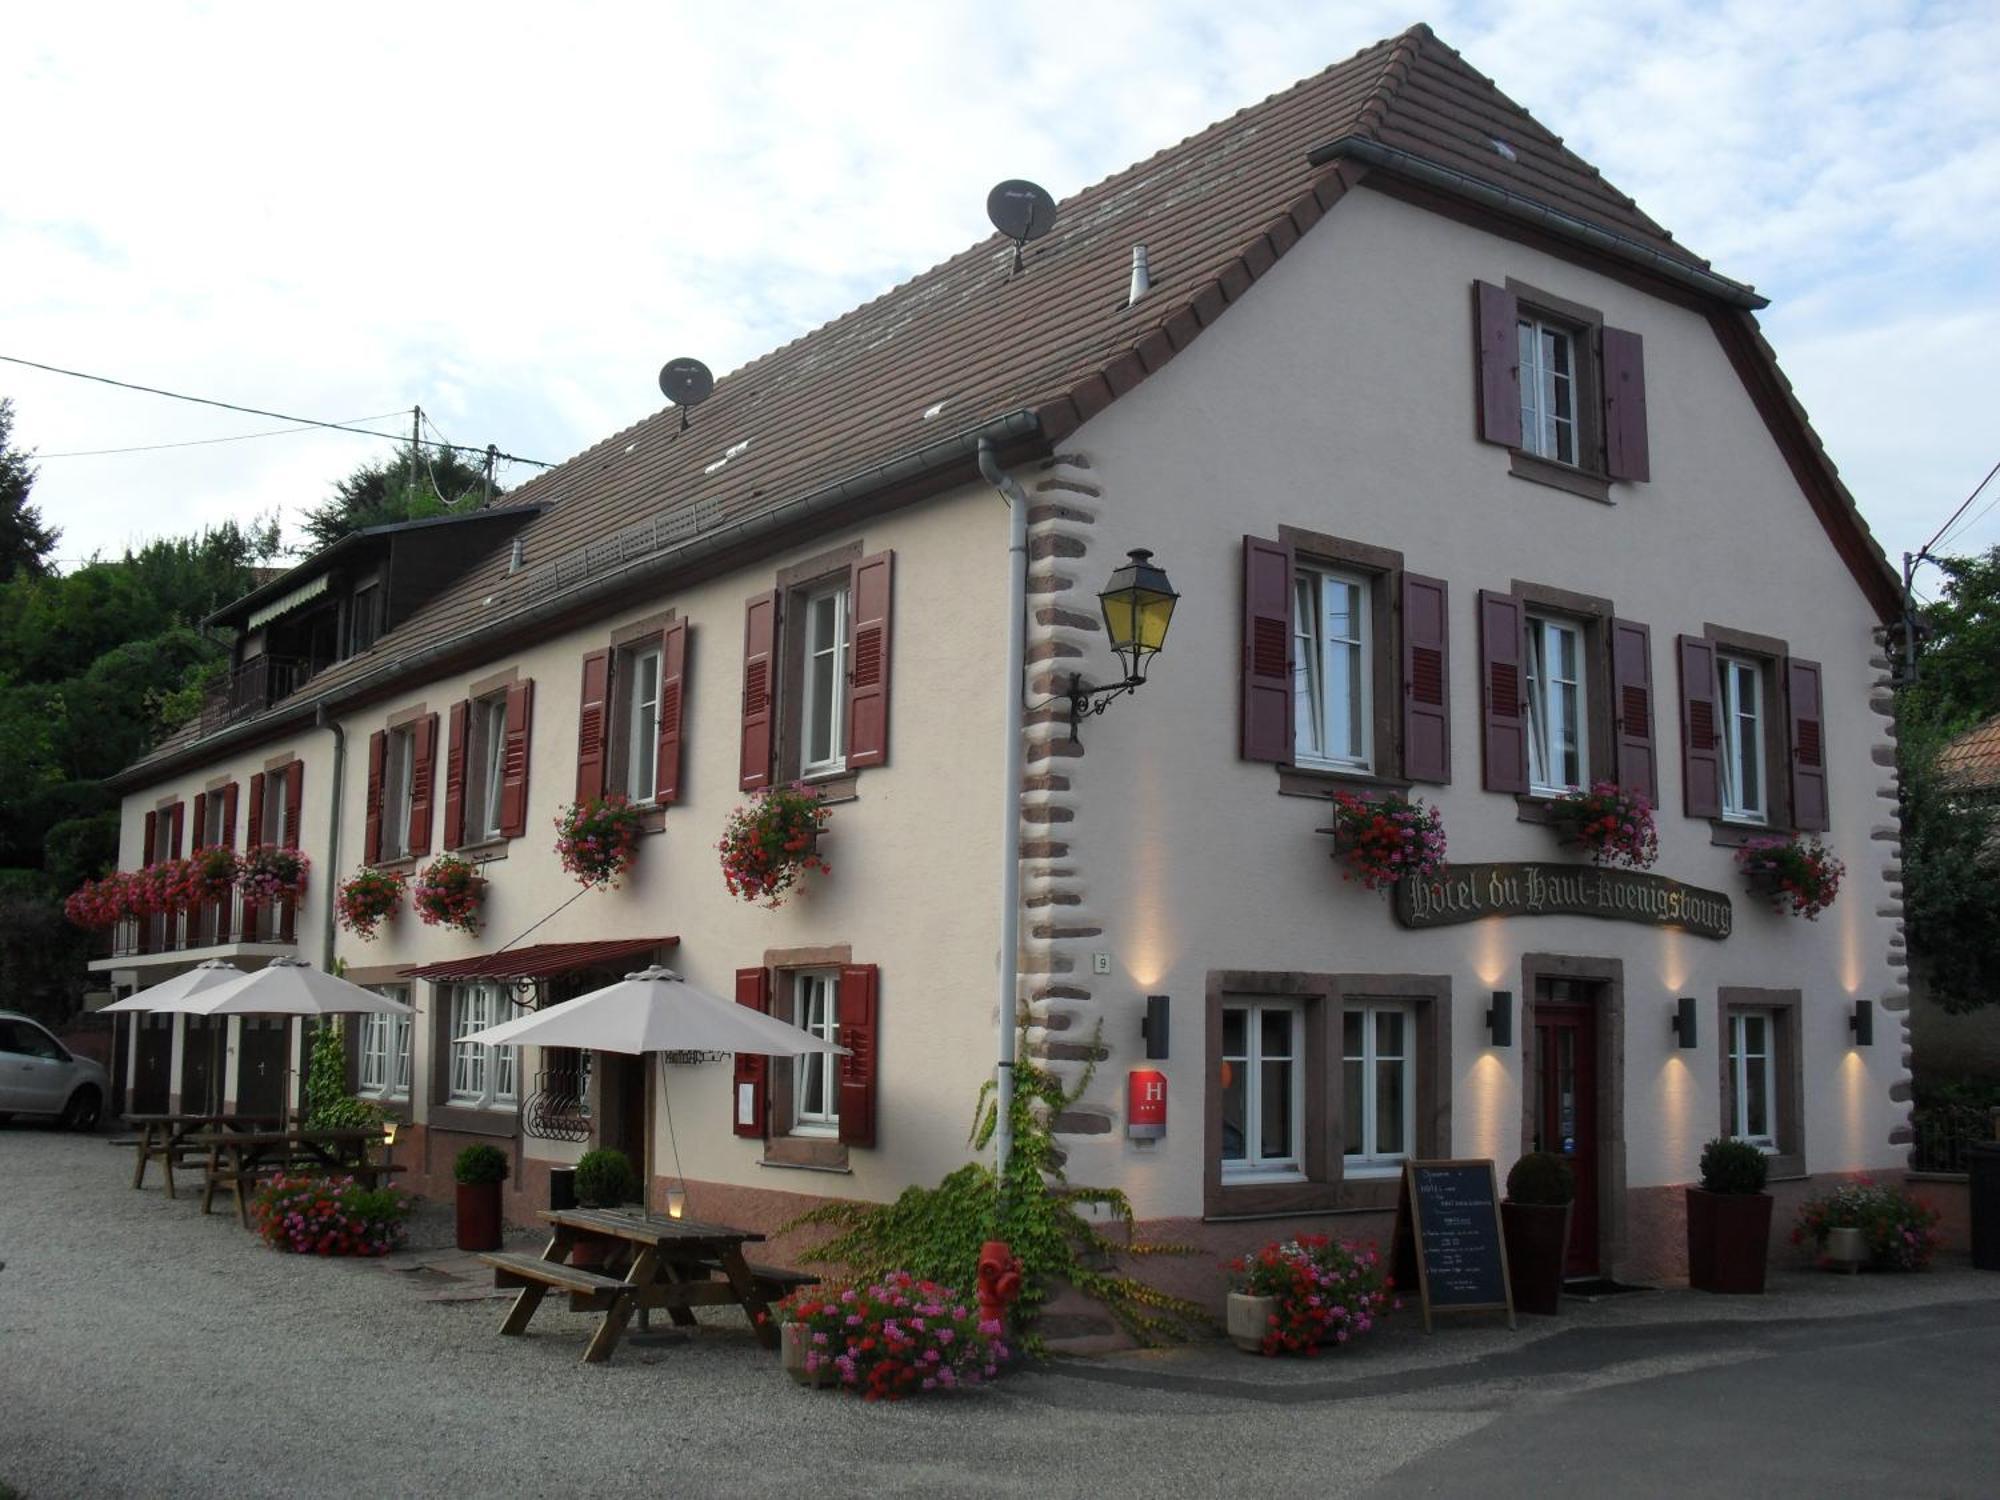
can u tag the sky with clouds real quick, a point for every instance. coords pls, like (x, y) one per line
(514, 214)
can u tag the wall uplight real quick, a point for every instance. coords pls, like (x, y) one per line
(1862, 1023)
(1153, 1026)
(1683, 1024)
(1500, 1018)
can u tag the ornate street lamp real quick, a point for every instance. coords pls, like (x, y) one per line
(1138, 605)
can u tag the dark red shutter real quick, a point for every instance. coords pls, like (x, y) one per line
(423, 775)
(1503, 692)
(1266, 728)
(454, 774)
(1810, 806)
(1624, 367)
(749, 1100)
(180, 820)
(229, 816)
(514, 759)
(1496, 321)
(673, 710)
(1701, 747)
(200, 821)
(1632, 708)
(860, 1013)
(295, 801)
(152, 839)
(1426, 680)
(869, 587)
(591, 717)
(378, 757)
(760, 641)
(253, 830)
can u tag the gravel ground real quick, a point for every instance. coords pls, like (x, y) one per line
(148, 1351)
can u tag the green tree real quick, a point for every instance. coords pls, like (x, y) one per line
(25, 542)
(380, 494)
(1958, 666)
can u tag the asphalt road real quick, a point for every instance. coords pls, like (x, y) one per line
(147, 1351)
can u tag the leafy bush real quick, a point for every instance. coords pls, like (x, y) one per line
(605, 1179)
(479, 1164)
(1901, 1232)
(1326, 1290)
(328, 1216)
(896, 1337)
(329, 1106)
(1541, 1177)
(1732, 1166)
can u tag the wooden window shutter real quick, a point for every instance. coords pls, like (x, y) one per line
(1503, 692)
(760, 641)
(423, 777)
(870, 589)
(1496, 320)
(253, 830)
(1632, 709)
(749, 1100)
(295, 801)
(591, 715)
(229, 816)
(1426, 652)
(1266, 725)
(673, 711)
(1810, 807)
(1701, 747)
(514, 759)
(178, 826)
(152, 838)
(454, 774)
(378, 758)
(859, 1020)
(200, 820)
(1624, 370)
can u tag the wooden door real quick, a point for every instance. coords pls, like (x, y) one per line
(261, 1060)
(155, 1061)
(1566, 1095)
(201, 1064)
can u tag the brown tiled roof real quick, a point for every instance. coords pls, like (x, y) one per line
(1973, 758)
(1215, 212)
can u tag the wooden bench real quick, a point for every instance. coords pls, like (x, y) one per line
(512, 1271)
(775, 1282)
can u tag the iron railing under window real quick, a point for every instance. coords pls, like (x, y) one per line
(209, 925)
(559, 1107)
(1943, 1131)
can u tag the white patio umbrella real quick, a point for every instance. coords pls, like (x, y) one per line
(182, 994)
(293, 987)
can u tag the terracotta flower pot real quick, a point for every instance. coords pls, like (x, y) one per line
(794, 1342)
(1537, 1236)
(479, 1216)
(1249, 1319)
(1728, 1241)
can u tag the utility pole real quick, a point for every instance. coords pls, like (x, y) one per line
(1910, 561)
(486, 490)
(416, 447)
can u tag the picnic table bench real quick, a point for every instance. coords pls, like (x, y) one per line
(236, 1161)
(170, 1139)
(676, 1264)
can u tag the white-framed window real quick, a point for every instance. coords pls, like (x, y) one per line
(275, 830)
(816, 1076)
(1753, 1073)
(1333, 698)
(385, 1050)
(399, 764)
(1263, 1094)
(481, 1077)
(641, 747)
(1558, 754)
(1548, 391)
(487, 759)
(823, 745)
(1740, 697)
(1378, 1084)
(213, 830)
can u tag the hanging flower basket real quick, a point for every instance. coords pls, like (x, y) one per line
(448, 894)
(212, 873)
(269, 875)
(598, 840)
(1797, 875)
(771, 841)
(369, 898)
(98, 904)
(1611, 824)
(1380, 840)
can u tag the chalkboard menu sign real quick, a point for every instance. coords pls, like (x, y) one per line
(1448, 1238)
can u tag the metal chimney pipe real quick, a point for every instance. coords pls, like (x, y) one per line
(516, 557)
(1142, 280)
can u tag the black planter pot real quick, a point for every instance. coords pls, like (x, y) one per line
(1537, 1236)
(1728, 1241)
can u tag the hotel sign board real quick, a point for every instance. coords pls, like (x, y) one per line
(1465, 893)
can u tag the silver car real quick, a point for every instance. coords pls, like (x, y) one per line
(40, 1076)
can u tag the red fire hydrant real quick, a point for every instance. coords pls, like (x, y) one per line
(999, 1281)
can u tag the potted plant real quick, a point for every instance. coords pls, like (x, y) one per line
(1610, 823)
(1295, 1295)
(448, 893)
(1379, 840)
(479, 1171)
(887, 1339)
(1534, 1220)
(771, 841)
(212, 873)
(1864, 1224)
(598, 840)
(604, 1179)
(269, 875)
(1729, 1220)
(1797, 875)
(370, 897)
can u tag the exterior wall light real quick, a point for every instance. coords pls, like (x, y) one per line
(1682, 1023)
(1862, 1023)
(1500, 1018)
(1153, 1027)
(1138, 605)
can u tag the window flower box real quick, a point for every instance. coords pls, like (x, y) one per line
(1799, 876)
(1611, 824)
(1379, 840)
(598, 839)
(269, 875)
(771, 842)
(448, 894)
(369, 898)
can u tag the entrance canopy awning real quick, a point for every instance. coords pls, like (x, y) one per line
(542, 961)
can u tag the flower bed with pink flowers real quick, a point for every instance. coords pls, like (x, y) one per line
(1327, 1291)
(895, 1337)
(328, 1216)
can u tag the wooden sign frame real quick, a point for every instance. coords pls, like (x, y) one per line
(1408, 1243)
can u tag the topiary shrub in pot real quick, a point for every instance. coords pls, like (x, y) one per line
(479, 1171)
(1534, 1220)
(604, 1179)
(1729, 1220)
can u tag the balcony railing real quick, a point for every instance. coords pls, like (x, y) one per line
(209, 925)
(254, 687)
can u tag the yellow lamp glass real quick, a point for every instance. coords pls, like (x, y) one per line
(1138, 606)
(388, 1132)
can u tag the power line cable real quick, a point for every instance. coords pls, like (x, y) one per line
(255, 411)
(1921, 551)
(240, 437)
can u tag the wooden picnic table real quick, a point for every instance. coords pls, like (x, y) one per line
(677, 1264)
(165, 1138)
(237, 1159)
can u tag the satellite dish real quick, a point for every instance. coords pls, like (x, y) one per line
(1022, 211)
(686, 383)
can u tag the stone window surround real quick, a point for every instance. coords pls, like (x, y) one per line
(434, 1018)
(1326, 1188)
(1586, 327)
(1593, 616)
(1770, 653)
(399, 1107)
(1786, 1006)
(781, 1148)
(794, 585)
(650, 630)
(1610, 973)
(492, 685)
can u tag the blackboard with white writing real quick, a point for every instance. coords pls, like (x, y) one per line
(1448, 1237)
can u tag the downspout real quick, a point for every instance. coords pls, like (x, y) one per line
(1010, 802)
(324, 719)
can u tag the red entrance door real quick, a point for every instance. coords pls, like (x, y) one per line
(1566, 1113)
